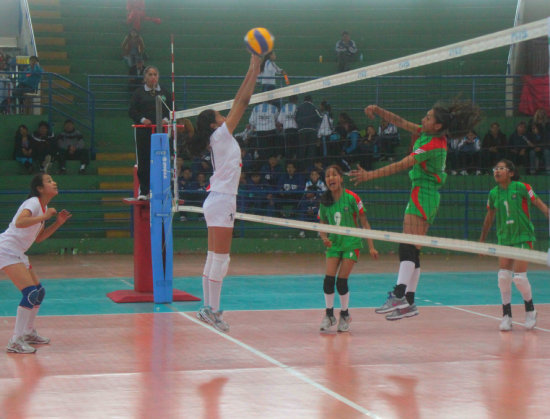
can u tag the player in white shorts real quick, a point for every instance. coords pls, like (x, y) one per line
(215, 132)
(27, 227)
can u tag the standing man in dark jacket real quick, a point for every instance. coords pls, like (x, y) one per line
(308, 119)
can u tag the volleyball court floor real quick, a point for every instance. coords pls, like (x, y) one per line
(146, 360)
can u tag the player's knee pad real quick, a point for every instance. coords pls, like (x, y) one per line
(328, 284)
(523, 285)
(407, 252)
(30, 297)
(41, 294)
(504, 279)
(342, 286)
(220, 266)
(208, 263)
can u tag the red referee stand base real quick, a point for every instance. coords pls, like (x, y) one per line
(132, 296)
(143, 268)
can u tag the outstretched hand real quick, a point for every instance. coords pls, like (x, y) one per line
(63, 216)
(359, 175)
(369, 111)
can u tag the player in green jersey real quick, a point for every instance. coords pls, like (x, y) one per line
(510, 201)
(427, 174)
(340, 207)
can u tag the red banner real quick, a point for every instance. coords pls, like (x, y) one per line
(534, 95)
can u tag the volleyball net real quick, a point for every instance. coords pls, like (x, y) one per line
(280, 184)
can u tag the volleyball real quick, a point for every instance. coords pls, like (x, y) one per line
(259, 41)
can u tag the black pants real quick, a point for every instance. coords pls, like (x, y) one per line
(143, 150)
(81, 154)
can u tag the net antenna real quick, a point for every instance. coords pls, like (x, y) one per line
(488, 42)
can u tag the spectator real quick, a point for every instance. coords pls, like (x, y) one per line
(469, 153)
(133, 48)
(135, 12)
(308, 119)
(269, 70)
(368, 147)
(199, 190)
(345, 52)
(28, 81)
(43, 146)
(352, 136)
(137, 71)
(290, 184)
(255, 195)
(493, 147)
(308, 206)
(263, 120)
(271, 171)
(452, 155)
(142, 110)
(185, 182)
(23, 149)
(388, 137)
(5, 86)
(202, 164)
(185, 131)
(247, 160)
(536, 153)
(519, 145)
(287, 119)
(70, 146)
(328, 137)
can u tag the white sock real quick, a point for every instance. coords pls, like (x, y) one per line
(23, 316)
(329, 300)
(406, 270)
(30, 324)
(205, 274)
(220, 264)
(344, 301)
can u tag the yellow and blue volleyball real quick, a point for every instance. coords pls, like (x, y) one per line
(259, 41)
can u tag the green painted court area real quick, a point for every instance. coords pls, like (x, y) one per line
(66, 297)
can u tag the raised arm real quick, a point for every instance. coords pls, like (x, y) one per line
(242, 98)
(361, 175)
(374, 110)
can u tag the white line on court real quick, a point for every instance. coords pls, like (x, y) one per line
(484, 315)
(284, 367)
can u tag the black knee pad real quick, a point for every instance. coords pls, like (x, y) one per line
(342, 286)
(407, 252)
(328, 284)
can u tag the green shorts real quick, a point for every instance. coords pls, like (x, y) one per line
(523, 245)
(424, 202)
(343, 254)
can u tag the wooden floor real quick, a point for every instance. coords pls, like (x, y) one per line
(148, 361)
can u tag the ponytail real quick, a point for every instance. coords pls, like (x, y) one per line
(198, 143)
(457, 118)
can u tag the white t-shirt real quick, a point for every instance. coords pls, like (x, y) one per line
(264, 117)
(18, 240)
(287, 116)
(270, 70)
(226, 161)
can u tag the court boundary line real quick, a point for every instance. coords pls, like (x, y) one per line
(290, 370)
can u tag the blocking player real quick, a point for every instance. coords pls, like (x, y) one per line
(510, 201)
(427, 174)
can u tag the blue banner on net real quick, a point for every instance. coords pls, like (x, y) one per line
(161, 219)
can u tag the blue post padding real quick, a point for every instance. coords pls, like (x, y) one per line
(161, 219)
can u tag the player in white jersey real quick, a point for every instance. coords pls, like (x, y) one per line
(27, 227)
(215, 132)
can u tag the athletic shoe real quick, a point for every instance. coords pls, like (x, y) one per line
(392, 303)
(34, 338)
(205, 314)
(327, 323)
(464, 173)
(401, 313)
(343, 323)
(506, 323)
(142, 198)
(219, 323)
(530, 319)
(19, 346)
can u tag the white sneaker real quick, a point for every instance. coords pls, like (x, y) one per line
(506, 323)
(142, 197)
(302, 234)
(453, 172)
(34, 338)
(219, 323)
(343, 323)
(530, 319)
(327, 323)
(19, 346)
(464, 173)
(478, 172)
